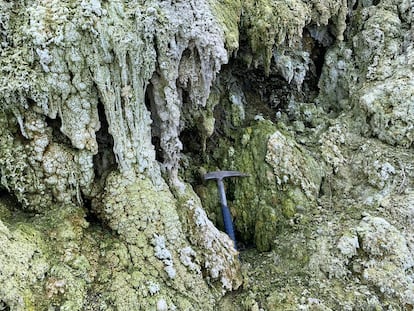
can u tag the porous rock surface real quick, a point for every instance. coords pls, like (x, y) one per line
(76, 118)
(111, 111)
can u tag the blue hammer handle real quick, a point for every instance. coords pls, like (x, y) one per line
(228, 223)
(218, 176)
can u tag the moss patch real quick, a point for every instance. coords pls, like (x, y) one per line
(228, 13)
(261, 204)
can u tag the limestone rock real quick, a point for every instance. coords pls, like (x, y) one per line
(111, 112)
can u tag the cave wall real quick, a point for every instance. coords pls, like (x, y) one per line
(111, 112)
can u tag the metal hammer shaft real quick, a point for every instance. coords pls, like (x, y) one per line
(228, 223)
(219, 176)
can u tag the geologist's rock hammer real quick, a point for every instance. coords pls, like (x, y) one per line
(219, 176)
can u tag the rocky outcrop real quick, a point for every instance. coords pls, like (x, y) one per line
(85, 89)
(111, 111)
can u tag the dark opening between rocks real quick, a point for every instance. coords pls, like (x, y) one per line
(57, 136)
(155, 131)
(9, 199)
(104, 161)
(4, 306)
(90, 216)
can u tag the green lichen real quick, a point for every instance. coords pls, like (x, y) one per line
(149, 245)
(76, 266)
(14, 172)
(272, 24)
(149, 226)
(228, 13)
(24, 264)
(263, 203)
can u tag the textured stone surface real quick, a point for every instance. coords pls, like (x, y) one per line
(85, 87)
(111, 112)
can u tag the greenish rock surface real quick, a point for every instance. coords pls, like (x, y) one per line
(112, 111)
(283, 182)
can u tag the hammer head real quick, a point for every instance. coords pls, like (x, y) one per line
(219, 175)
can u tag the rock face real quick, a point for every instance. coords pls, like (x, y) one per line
(86, 87)
(111, 111)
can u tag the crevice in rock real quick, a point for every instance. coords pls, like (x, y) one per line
(190, 137)
(156, 142)
(104, 161)
(265, 96)
(355, 5)
(57, 135)
(4, 306)
(155, 129)
(317, 43)
(90, 216)
(93, 217)
(9, 199)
